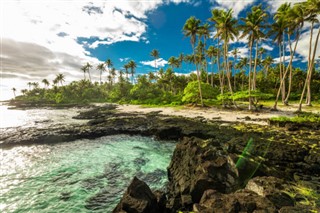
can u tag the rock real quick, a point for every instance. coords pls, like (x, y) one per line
(271, 188)
(138, 199)
(296, 209)
(197, 166)
(241, 201)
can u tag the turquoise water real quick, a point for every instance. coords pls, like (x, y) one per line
(79, 176)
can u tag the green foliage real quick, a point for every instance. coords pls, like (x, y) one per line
(191, 92)
(300, 118)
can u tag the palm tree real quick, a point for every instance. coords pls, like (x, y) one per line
(87, 67)
(132, 65)
(60, 78)
(211, 53)
(267, 62)
(14, 92)
(254, 23)
(235, 53)
(113, 73)
(190, 29)
(295, 17)
(126, 67)
(46, 83)
(227, 29)
(174, 62)
(204, 31)
(312, 8)
(216, 13)
(155, 54)
(35, 85)
(24, 91)
(109, 64)
(29, 84)
(101, 68)
(84, 70)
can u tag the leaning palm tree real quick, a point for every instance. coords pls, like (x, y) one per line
(155, 54)
(295, 16)
(14, 92)
(132, 65)
(101, 68)
(312, 8)
(190, 29)
(46, 83)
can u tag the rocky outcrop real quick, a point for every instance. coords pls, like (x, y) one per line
(139, 199)
(240, 201)
(197, 166)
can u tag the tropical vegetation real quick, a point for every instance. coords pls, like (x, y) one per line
(236, 79)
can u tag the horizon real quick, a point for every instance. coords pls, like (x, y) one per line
(42, 39)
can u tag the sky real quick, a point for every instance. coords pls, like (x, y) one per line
(42, 38)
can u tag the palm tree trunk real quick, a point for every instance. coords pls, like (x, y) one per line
(228, 72)
(221, 80)
(212, 72)
(100, 77)
(250, 69)
(198, 76)
(281, 77)
(308, 71)
(292, 53)
(311, 70)
(283, 91)
(254, 80)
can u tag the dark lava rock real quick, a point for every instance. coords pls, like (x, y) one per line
(240, 201)
(196, 166)
(138, 199)
(271, 188)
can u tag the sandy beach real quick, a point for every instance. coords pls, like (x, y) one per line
(214, 113)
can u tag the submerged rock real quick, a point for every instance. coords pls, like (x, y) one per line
(138, 199)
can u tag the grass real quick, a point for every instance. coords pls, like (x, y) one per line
(305, 117)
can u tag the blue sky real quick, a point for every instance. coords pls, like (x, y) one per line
(41, 38)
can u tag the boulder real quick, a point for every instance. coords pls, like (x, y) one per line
(197, 166)
(241, 201)
(138, 199)
(271, 188)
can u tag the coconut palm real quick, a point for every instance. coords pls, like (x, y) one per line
(60, 78)
(109, 64)
(29, 84)
(295, 16)
(14, 92)
(46, 83)
(227, 30)
(235, 53)
(87, 67)
(155, 54)
(216, 13)
(312, 9)
(132, 65)
(113, 74)
(204, 32)
(174, 62)
(252, 27)
(190, 29)
(211, 54)
(101, 68)
(267, 62)
(24, 91)
(84, 70)
(126, 67)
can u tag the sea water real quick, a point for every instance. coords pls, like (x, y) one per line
(79, 176)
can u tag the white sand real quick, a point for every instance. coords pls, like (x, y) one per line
(212, 113)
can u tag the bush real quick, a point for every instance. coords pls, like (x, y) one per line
(191, 92)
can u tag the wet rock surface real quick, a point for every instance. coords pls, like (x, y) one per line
(216, 166)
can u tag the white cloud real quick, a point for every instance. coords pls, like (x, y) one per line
(123, 59)
(287, 58)
(243, 52)
(267, 47)
(275, 4)
(236, 5)
(303, 45)
(160, 62)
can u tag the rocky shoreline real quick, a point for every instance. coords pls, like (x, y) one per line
(216, 167)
